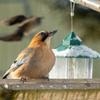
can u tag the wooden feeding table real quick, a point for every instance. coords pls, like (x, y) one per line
(54, 89)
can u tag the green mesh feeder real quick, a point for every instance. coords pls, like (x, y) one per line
(73, 60)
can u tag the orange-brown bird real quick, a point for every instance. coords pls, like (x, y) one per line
(26, 26)
(35, 61)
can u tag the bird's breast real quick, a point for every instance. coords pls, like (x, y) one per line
(38, 64)
(43, 58)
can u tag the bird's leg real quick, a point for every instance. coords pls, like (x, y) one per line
(22, 79)
(45, 78)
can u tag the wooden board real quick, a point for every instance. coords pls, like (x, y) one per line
(54, 89)
(32, 84)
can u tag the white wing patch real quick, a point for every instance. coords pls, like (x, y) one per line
(14, 66)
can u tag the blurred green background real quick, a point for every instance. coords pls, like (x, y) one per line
(57, 16)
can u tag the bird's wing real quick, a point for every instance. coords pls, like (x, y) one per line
(22, 57)
(15, 66)
(31, 24)
(13, 20)
(26, 52)
(34, 20)
(28, 20)
(16, 36)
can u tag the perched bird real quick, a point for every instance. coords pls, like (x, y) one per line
(35, 61)
(26, 26)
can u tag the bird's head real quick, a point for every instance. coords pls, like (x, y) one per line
(43, 37)
(38, 19)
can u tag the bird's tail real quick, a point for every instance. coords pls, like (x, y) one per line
(5, 76)
(13, 20)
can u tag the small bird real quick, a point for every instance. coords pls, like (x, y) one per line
(26, 26)
(35, 61)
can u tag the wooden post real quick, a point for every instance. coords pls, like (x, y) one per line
(93, 4)
(54, 89)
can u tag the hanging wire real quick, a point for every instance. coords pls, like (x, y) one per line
(72, 6)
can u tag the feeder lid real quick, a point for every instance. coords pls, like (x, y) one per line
(71, 39)
(71, 47)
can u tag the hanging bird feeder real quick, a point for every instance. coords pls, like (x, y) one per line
(73, 60)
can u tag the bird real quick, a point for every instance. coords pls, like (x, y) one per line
(35, 61)
(25, 27)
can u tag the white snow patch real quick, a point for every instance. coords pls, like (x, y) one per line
(76, 38)
(64, 86)
(42, 86)
(51, 86)
(76, 51)
(6, 86)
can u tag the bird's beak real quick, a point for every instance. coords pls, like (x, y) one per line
(52, 33)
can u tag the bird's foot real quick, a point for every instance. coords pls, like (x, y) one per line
(22, 79)
(45, 78)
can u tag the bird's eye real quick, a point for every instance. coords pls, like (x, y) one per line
(42, 34)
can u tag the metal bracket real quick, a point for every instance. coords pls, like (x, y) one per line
(93, 4)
